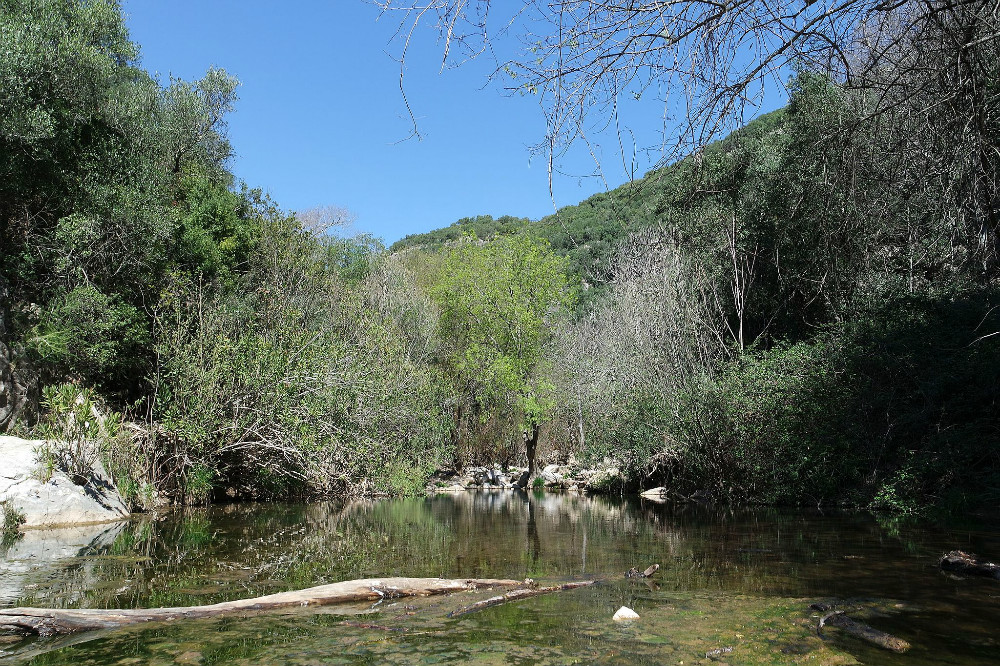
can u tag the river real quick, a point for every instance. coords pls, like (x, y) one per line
(729, 578)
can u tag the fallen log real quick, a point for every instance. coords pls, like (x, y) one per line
(517, 595)
(859, 630)
(958, 561)
(52, 621)
(534, 591)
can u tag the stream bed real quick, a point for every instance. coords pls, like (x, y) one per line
(734, 585)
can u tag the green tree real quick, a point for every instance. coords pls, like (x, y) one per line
(108, 181)
(498, 301)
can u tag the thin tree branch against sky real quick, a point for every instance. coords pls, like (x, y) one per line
(321, 121)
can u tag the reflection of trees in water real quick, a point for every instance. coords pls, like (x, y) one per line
(200, 556)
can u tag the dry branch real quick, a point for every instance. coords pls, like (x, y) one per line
(51, 621)
(859, 630)
(517, 595)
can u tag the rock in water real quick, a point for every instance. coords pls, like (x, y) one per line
(961, 562)
(625, 614)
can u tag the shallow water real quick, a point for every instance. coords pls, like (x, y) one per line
(729, 578)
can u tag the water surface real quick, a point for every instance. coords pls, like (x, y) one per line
(729, 578)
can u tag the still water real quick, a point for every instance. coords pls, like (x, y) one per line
(729, 578)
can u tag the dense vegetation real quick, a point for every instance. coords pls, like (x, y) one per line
(803, 312)
(245, 351)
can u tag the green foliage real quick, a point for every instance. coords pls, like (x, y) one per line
(92, 334)
(215, 233)
(77, 427)
(198, 484)
(771, 428)
(297, 380)
(10, 530)
(498, 301)
(631, 434)
(929, 383)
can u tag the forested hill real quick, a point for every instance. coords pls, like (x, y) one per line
(589, 232)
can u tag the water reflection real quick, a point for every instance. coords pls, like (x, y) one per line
(56, 555)
(767, 561)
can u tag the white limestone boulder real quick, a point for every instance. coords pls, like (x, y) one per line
(57, 500)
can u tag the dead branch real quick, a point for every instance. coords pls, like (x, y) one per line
(517, 595)
(52, 621)
(859, 630)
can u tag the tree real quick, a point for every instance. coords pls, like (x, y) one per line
(105, 176)
(498, 303)
(709, 61)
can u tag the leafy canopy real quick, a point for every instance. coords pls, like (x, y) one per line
(497, 299)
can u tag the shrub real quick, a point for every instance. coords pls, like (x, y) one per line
(13, 518)
(76, 426)
(770, 427)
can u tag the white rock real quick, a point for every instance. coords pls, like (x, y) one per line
(625, 614)
(57, 501)
(655, 494)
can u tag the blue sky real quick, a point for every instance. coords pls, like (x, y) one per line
(321, 121)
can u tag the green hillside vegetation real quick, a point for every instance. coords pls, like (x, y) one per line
(805, 312)
(589, 233)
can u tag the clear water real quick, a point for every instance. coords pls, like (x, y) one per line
(729, 578)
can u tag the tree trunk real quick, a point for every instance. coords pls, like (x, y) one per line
(50, 621)
(10, 395)
(530, 444)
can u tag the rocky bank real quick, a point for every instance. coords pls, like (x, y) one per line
(571, 477)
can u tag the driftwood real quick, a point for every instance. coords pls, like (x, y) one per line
(858, 630)
(959, 561)
(517, 595)
(635, 573)
(52, 621)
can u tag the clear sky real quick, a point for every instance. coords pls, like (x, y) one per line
(321, 120)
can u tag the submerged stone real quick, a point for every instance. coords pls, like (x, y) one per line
(625, 614)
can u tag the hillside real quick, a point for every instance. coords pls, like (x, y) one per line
(589, 232)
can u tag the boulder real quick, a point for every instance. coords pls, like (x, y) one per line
(604, 480)
(551, 476)
(658, 494)
(57, 500)
(962, 562)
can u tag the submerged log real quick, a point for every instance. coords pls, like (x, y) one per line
(859, 630)
(958, 561)
(517, 595)
(52, 621)
(534, 591)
